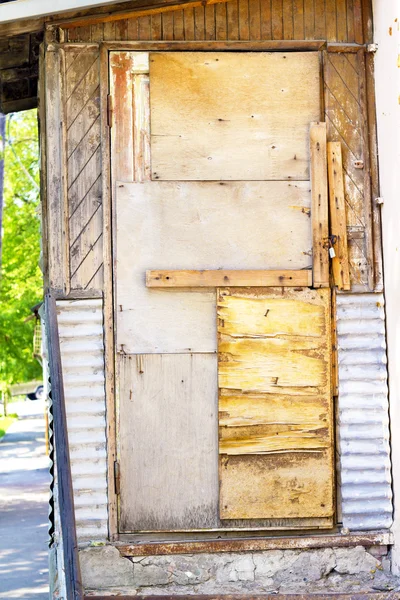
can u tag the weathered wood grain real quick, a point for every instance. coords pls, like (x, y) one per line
(257, 133)
(169, 441)
(198, 225)
(218, 278)
(275, 406)
(337, 212)
(83, 167)
(345, 113)
(298, 20)
(319, 204)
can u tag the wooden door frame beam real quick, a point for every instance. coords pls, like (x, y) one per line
(213, 45)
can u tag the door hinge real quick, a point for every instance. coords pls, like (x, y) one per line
(117, 477)
(109, 110)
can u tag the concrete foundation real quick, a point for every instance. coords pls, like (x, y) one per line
(274, 571)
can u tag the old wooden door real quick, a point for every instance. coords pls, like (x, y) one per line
(225, 411)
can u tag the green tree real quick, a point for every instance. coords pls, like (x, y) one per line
(21, 278)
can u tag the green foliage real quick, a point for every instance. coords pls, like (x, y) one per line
(5, 423)
(21, 279)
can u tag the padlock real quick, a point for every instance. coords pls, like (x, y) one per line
(332, 252)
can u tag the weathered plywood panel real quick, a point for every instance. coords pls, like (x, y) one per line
(232, 115)
(169, 441)
(199, 225)
(275, 406)
(298, 484)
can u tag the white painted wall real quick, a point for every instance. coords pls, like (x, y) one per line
(27, 9)
(387, 62)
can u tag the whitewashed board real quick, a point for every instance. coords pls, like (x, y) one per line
(199, 225)
(168, 441)
(238, 116)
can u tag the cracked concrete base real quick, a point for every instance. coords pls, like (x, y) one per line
(289, 571)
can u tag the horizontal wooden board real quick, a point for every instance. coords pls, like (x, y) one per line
(169, 441)
(187, 279)
(199, 225)
(275, 406)
(221, 116)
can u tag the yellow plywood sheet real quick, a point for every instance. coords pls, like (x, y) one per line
(239, 116)
(275, 406)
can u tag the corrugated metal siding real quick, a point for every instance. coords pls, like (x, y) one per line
(363, 413)
(82, 351)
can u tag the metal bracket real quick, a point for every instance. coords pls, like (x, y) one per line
(379, 200)
(372, 47)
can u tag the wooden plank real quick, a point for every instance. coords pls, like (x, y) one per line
(167, 20)
(188, 17)
(56, 211)
(288, 21)
(275, 406)
(277, 19)
(342, 21)
(331, 29)
(230, 45)
(199, 23)
(140, 11)
(122, 139)
(337, 212)
(244, 22)
(210, 22)
(221, 30)
(255, 19)
(187, 279)
(319, 208)
(232, 11)
(266, 21)
(141, 128)
(199, 135)
(262, 544)
(309, 20)
(179, 33)
(168, 441)
(298, 19)
(199, 225)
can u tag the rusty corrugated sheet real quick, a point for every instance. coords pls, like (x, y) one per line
(363, 413)
(82, 350)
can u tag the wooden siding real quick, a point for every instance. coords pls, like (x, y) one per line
(275, 406)
(19, 69)
(83, 151)
(346, 115)
(332, 20)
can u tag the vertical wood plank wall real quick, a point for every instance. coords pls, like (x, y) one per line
(344, 98)
(331, 20)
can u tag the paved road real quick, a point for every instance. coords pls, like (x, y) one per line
(24, 484)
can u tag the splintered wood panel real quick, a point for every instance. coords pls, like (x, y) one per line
(231, 115)
(199, 225)
(169, 441)
(275, 406)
